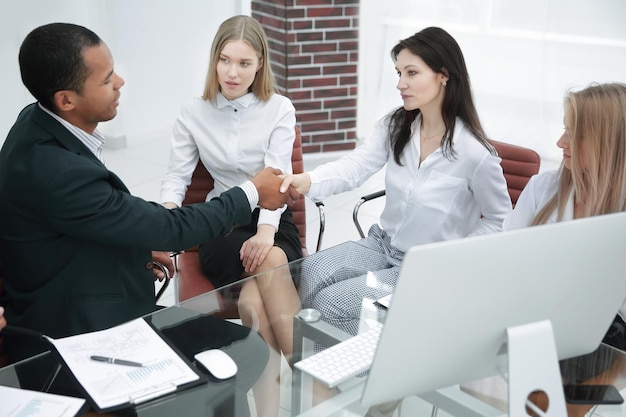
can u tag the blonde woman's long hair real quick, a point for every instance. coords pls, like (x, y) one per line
(247, 29)
(597, 118)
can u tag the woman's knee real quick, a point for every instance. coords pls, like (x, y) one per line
(275, 257)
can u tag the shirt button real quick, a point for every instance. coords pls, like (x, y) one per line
(149, 265)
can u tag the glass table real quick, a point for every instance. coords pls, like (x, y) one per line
(205, 322)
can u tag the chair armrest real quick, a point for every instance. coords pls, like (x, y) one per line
(355, 212)
(166, 281)
(322, 214)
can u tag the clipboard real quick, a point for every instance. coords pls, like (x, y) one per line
(108, 386)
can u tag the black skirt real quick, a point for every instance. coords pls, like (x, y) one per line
(219, 257)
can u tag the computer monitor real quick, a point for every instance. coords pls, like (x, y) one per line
(454, 301)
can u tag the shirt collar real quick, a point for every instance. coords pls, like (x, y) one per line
(93, 141)
(240, 102)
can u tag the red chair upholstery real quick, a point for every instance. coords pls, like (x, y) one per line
(518, 164)
(191, 280)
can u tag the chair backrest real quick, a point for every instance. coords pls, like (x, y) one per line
(298, 209)
(518, 164)
(202, 183)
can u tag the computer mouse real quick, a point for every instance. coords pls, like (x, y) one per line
(217, 363)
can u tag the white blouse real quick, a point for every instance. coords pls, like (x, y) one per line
(534, 196)
(441, 199)
(235, 140)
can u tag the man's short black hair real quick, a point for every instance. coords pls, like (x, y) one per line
(51, 60)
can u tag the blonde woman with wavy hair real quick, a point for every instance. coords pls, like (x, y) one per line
(591, 180)
(238, 127)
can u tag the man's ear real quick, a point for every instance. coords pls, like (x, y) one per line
(64, 100)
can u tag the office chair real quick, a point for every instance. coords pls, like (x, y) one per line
(190, 280)
(518, 164)
(161, 284)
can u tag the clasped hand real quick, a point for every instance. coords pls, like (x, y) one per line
(300, 182)
(271, 195)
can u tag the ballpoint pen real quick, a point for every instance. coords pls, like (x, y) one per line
(114, 361)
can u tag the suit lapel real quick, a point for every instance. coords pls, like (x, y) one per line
(61, 134)
(71, 142)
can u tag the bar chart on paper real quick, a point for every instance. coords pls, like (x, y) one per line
(24, 403)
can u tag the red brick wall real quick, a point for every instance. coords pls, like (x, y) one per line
(314, 54)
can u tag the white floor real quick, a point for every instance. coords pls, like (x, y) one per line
(142, 166)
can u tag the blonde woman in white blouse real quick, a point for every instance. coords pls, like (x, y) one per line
(237, 128)
(592, 178)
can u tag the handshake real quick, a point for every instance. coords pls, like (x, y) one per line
(269, 183)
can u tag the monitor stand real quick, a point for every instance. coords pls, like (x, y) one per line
(533, 365)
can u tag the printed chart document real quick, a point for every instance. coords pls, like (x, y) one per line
(19, 402)
(158, 369)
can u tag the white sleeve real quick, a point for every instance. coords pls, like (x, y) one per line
(184, 157)
(533, 197)
(353, 169)
(490, 191)
(252, 194)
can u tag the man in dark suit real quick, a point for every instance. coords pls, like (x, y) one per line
(75, 246)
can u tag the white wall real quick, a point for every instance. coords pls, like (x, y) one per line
(521, 55)
(160, 47)
(16, 20)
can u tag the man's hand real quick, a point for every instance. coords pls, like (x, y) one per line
(267, 183)
(165, 259)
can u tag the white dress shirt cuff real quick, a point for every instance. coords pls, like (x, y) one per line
(271, 217)
(251, 193)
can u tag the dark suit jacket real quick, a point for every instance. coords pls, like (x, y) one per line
(74, 244)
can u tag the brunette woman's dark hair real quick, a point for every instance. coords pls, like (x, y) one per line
(438, 49)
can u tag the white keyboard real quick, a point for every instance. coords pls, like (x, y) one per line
(344, 360)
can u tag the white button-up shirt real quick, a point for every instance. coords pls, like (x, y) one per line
(235, 140)
(440, 199)
(536, 194)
